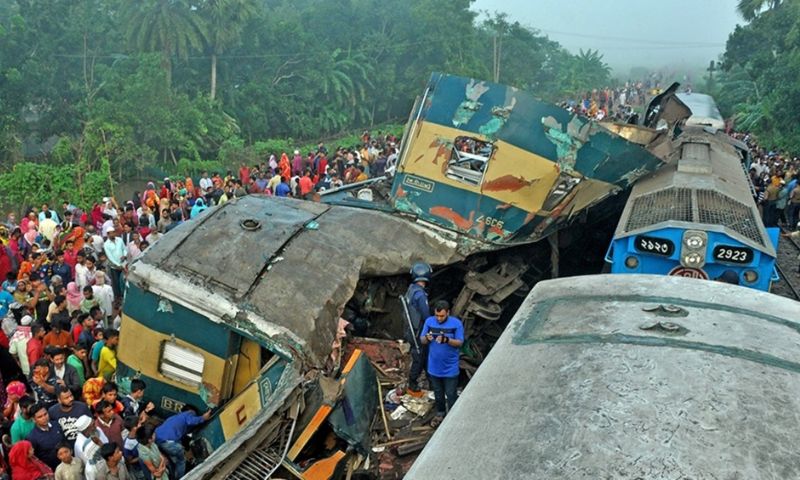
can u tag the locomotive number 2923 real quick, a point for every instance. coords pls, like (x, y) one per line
(728, 254)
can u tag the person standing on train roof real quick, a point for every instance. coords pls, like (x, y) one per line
(445, 335)
(417, 310)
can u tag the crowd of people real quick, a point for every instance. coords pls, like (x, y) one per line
(63, 274)
(774, 175)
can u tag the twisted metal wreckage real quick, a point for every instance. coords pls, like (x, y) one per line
(241, 308)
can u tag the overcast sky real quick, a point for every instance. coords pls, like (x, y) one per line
(630, 33)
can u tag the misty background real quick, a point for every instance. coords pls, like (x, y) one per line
(679, 34)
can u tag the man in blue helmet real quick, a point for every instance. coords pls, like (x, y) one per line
(417, 310)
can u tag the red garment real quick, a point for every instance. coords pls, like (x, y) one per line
(3, 340)
(305, 185)
(23, 466)
(244, 175)
(322, 167)
(5, 262)
(284, 167)
(71, 258)
(76, 332)
(35, 350)
(97, 216)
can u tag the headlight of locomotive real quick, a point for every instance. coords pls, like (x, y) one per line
(693, 252)
(694, 241)
(750, 276)
(694, 260)
(631, 262)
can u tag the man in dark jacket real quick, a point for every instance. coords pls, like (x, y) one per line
(417, 310)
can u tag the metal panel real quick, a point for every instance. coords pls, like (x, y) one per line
(714, 208)
(672, 204)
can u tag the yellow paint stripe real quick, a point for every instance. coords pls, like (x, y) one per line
(140, 349)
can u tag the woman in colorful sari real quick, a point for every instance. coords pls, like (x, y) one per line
(284, 167)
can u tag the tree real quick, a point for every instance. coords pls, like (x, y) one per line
(750, 9)
(225, 20)
(172, 27)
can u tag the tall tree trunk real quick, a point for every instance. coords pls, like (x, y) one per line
(166, 63)
(213, 75)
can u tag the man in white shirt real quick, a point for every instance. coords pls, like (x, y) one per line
(104, 294)
(205, 182)
(117, 253)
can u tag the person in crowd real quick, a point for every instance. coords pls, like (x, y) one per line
(78, 361)
(43, 383)
(108, 421)
(25, 465)
(57, 337)
(66, 375)
(45, 436)
(35, 346)
(107, 363)
(70, 468)
(133, 401)
(170, 434)
(15, 390)
(89, 301)
(117, 254)
(67, 412)
(23, 425)
(104, 294)
(87, 445)
(416, 310)
(18, 344)
(445, 335)
(113, 465)
(154, 461)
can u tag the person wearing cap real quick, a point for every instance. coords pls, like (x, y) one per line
(417, 310)
(87, 444)
(18, 344)
(297, 163)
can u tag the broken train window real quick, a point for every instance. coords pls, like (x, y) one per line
(468, 159)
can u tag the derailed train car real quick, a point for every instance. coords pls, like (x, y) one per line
(696, 216)
(630, 376)
(239, 309)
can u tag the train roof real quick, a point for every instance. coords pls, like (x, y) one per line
(704, 110)
(282, 269)
(705, 185)
(631, 376)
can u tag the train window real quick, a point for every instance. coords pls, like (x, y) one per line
(181, 364)
(468, 160)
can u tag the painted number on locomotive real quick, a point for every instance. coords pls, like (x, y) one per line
(727, 254)
(490, 222)
(657, 246)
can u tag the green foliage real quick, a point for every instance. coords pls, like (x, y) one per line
(31, 183)
(758, 86)
(123, 84)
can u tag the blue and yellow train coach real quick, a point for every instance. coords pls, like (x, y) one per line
(696, 217)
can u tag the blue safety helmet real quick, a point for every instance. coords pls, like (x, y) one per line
(421, 272)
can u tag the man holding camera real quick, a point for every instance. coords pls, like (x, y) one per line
(444, 335)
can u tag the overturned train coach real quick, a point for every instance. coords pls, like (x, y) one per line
(696, 217)
(239, 309)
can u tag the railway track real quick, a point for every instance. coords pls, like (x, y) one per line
(789, 285)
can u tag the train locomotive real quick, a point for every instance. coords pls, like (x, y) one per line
(696, 217)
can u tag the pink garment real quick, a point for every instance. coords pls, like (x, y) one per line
(74, 296)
